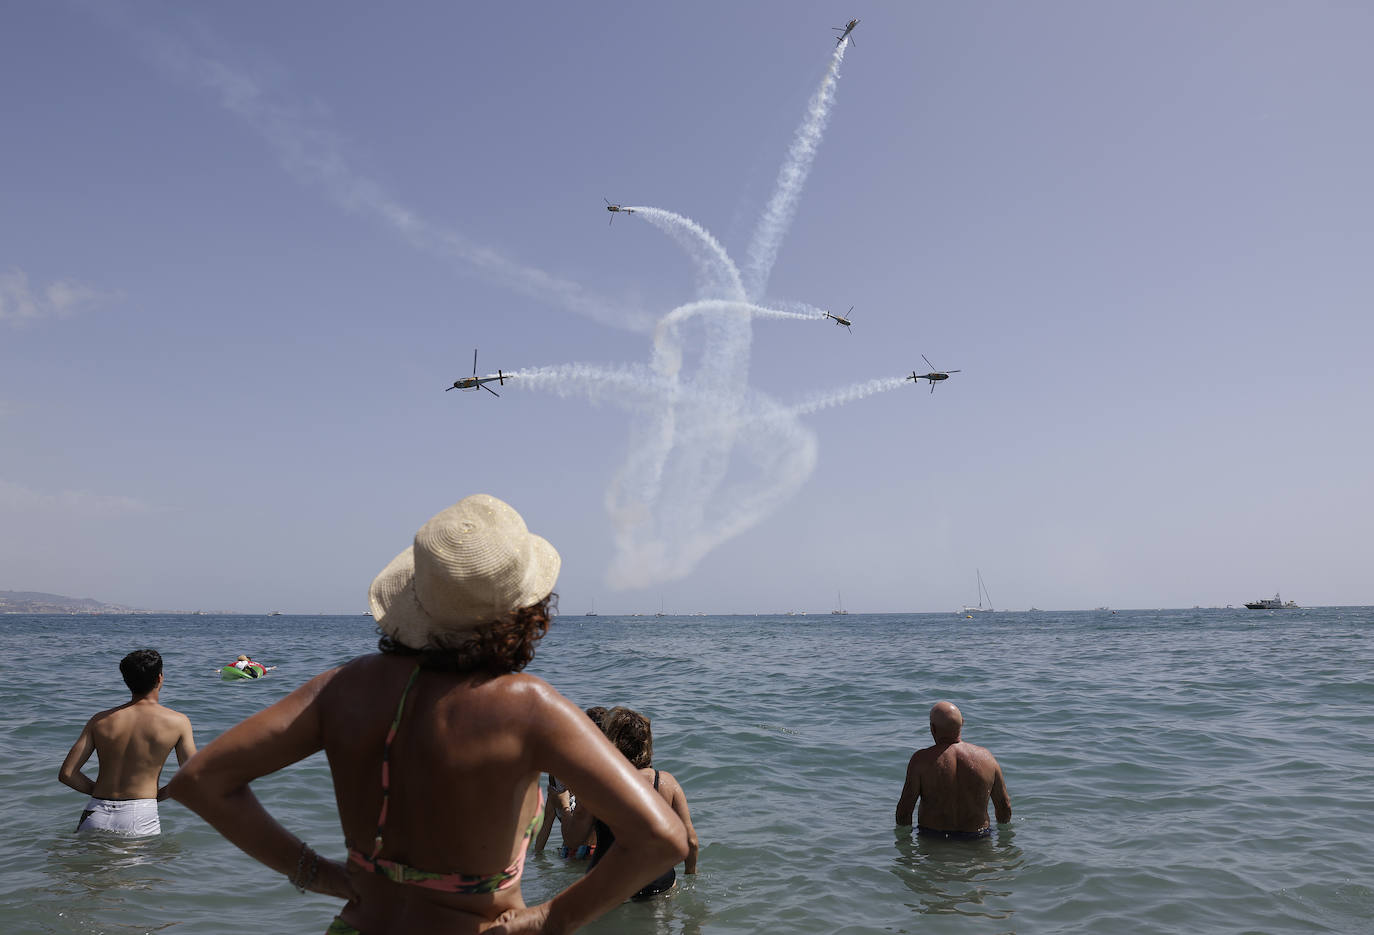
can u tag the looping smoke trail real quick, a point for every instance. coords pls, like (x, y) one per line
(667, 348)
(720, 277)
(708, 456)
(763, 249)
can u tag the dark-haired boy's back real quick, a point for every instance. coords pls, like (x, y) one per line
(132, 742)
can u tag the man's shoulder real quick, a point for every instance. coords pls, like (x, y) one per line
(101, 722)
(924, 755)
(172, 714)
(158, 716)
(973, 752)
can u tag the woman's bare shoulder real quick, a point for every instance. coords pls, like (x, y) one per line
(667, 780)
(529, 687)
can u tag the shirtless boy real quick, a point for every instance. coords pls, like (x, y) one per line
(953, 781)
(132, 742)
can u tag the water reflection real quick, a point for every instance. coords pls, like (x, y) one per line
(967, 878)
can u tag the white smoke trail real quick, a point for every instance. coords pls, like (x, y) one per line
(719, 276)
(314, 154)
(763, 249)
(628, 387)
(667, 347)
(848, 394)
(802, 309)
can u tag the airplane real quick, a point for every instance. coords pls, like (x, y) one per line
(847, 29)
(616, 208)
(474, 382)
(933, 376)
(843, 319)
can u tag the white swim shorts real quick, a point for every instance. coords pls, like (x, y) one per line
(121, 816)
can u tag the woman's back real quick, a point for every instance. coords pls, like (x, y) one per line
(462, 787)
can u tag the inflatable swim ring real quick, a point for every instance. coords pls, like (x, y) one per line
(231, 674)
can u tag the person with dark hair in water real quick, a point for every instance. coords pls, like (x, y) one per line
(633, 736)
(953, 781)
(132, 742)
(436, 746)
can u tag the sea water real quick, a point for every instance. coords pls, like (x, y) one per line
(1170, 771)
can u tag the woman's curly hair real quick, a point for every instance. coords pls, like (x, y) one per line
(502, 646)
(630, 733)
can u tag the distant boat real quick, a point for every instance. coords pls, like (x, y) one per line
(982, 593)
(592, 612)
(275, 613)
(839, 602)
(1271, 603)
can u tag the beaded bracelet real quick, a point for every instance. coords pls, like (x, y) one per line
(300, 879)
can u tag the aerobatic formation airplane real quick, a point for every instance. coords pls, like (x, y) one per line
(934, 376)
(845, 30)
(474, 382)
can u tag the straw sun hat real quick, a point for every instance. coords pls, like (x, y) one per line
(471, 564)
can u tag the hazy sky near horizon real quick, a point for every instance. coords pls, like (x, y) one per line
(247, 246)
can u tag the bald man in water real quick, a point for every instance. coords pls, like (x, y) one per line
(953, 781)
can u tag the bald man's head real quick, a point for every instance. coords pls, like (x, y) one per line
(945, 722)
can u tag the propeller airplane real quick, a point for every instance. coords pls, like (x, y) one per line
(845, 30)
(934, 376)
(843, 319)
(474, 382)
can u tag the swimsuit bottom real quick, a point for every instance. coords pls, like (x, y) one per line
(659, 885)
(583, 852)
(339, 927)
(955, 835)
(121, 816)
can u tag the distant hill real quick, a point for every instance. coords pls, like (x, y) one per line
(36, 602)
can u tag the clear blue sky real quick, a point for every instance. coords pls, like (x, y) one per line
(246, 246)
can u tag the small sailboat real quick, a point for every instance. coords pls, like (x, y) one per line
(982, 593)
(592, 612)
(839, 604)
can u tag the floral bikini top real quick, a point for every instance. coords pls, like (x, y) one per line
(464, 883)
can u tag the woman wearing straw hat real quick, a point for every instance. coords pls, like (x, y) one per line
(436, 745)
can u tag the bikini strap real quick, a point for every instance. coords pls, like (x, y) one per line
(386, 764)
(655, 779)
